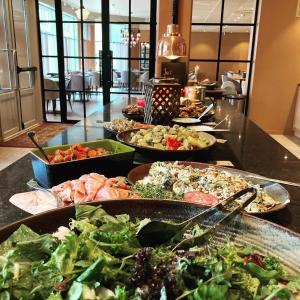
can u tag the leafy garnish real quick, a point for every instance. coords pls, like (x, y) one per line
(154, 191)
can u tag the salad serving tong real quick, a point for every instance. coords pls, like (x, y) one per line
(157, 232)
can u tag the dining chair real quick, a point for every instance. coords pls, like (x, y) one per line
(125, 79)
(224, 78)
(52, 95)
(144, 78)
(116, 78)
(76, 85)
(96, 83)
(229, 88)
(134, 84)
(244, 87)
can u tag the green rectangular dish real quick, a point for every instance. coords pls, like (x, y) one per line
(118, 163)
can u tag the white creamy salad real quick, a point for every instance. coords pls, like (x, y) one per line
(220, 183)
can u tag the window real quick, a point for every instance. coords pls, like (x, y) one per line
(72, 44)
(221, 41)
(48, 39)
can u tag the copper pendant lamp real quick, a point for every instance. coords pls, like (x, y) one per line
(172, 45)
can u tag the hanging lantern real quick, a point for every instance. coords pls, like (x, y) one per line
(172, 45)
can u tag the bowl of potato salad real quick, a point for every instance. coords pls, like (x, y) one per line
(175, 141)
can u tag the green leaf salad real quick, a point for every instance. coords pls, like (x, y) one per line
(99, 257)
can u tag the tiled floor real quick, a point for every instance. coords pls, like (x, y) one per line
(8, 155)
(93, 104)
(290, 142)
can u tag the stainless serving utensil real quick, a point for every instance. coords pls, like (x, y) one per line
(219, 123)
(31, 135)
(157, 232)
(272, 180)
(208, 108)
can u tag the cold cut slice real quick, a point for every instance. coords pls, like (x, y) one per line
(200, 198)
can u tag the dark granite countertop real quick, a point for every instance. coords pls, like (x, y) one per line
(248, 148)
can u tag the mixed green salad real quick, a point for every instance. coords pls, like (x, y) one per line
(99, 257)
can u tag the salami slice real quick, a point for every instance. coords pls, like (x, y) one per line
(200, 198)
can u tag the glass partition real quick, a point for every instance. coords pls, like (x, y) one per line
(83, 53)
(206, 11)
(236, 42)
(237, 11)
(222, 42)
(5, 80)
(5, 53)
(22, 44)
(204, 42)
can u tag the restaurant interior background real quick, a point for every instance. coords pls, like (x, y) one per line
(86, 57)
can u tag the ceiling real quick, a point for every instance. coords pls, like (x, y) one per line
(204, 11)
(235, 11)
(140, 8)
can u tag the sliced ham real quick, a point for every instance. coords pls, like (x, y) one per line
(84, 177)
(106, 193)
(65, 196)
(117, 182)
(78, 185)
(92, 187)
(97, 176)
(61, 187)
(123, 193)
(200, 198)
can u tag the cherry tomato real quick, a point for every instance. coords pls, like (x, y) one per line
(80, 155)
(256, 259)
(172, 143)
(67, 158)
(79, 147)
(92, 153)
(58, 159)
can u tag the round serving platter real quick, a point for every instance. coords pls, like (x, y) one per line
(125, 137)
(266, 237)
(192, 121)
(186, 121)
(276, 191)
(112, 132)
(134, 117)
(115, 132)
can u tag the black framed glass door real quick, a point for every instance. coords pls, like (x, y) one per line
(91, 53)
(223, 42)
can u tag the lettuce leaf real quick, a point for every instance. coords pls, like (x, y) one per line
(23, 233)
(65, 255)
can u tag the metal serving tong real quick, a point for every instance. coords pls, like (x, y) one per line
(155, 232)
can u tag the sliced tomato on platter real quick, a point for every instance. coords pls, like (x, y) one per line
(200, 198)
(172, 143)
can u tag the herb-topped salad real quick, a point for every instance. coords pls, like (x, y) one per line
(99, 257)
(208, 186)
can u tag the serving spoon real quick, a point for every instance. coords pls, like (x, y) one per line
(190, 120)
(158, 232)
(31, 135)
(208, 109)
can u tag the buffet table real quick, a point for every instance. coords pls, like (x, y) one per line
(242, 143)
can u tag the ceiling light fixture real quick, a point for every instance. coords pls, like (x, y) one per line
(172, 45)
(85, 13)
